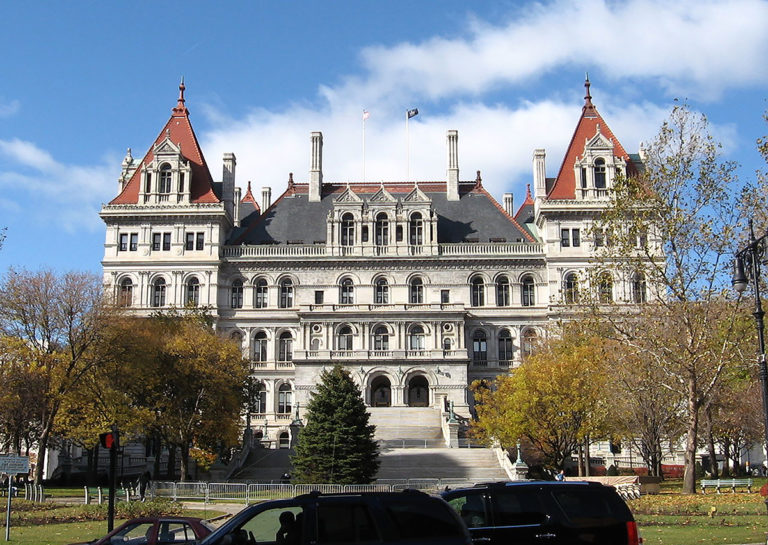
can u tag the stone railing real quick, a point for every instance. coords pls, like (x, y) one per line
(436, 354)
(447, 249)
(388, 307)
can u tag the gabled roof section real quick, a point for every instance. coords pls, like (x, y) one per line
(248, 198)
(526, 209)
(179, 131)
(589, 125)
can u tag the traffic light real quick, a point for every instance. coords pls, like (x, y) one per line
(110, 440)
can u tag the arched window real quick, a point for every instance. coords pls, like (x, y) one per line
(193, 292)
(260, 294)
(381, 292)
(382, 230)
(285, 347)
(237, 294)
(165, 179)
(447, 343)
(284, 399)
(347, 230)
(478, 292)
(381, 338)
(639, 288)
(528, 291)
(416, 230)
(346, 292)
(260, 346)
(286, 293)
(259, 398)
(571, 289)
(505, 345)
(530, 339)
(284, 440)
(502, 291)
(158, 293)
(605, 287)
(416, 291)
(599, 173)
(125, 297)
(344, 338)
(479, 348)
(416, 338)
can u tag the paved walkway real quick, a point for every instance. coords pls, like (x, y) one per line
(216, 510)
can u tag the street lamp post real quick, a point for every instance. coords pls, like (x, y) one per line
(746, 265)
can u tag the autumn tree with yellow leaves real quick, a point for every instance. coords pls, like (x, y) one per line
(555, 400)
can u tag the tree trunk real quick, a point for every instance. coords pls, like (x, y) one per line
(689, 476)
(586, 457)
(711, 442)
(726, 458)
(42, 448)
(184, 462)
(581, 461)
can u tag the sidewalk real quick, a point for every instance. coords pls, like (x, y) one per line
(216, 509)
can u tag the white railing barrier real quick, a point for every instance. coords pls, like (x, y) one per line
(253, 492)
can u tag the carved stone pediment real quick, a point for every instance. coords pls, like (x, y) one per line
(599, 141)
(382, 196)
(349, 196)
(167, 147)
(417, 195)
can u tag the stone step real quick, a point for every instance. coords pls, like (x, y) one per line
(440, 463)
(406, 423)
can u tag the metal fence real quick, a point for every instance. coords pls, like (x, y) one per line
(253, 492)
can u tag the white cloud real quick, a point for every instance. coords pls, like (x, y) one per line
(9, 108)
(69, 195)
(690, 47)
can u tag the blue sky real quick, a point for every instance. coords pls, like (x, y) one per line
(83, 81)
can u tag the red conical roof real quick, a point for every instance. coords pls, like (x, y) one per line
(179, 130)
(565, 183)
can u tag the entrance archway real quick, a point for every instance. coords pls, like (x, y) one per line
(418, 392)
(381, 392)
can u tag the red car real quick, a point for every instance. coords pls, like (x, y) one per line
(155, 531)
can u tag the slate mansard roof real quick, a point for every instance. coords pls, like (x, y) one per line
(475, 217)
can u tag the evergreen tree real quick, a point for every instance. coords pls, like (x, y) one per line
(337, 445)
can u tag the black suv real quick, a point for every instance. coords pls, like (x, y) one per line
(544, 512)
(391, 518)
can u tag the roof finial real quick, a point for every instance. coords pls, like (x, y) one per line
(180, 107)
(528, 192)
(290, 179)
(478, 180)
(588, 97)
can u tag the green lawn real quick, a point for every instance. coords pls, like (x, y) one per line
(677, 519)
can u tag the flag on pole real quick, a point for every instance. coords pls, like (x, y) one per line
(413, 113)
(366, 114)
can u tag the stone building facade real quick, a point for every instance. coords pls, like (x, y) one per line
(417, 288)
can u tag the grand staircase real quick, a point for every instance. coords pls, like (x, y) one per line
(411, 445)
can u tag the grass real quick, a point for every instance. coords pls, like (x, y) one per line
(58, 523)
(680, 519)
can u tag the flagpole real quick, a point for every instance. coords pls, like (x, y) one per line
(364, 146)
(407, 148)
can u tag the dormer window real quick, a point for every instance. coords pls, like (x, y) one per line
(165, 179)
(599, 173)
(416, 230)
(382, 230)
(347, 230)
